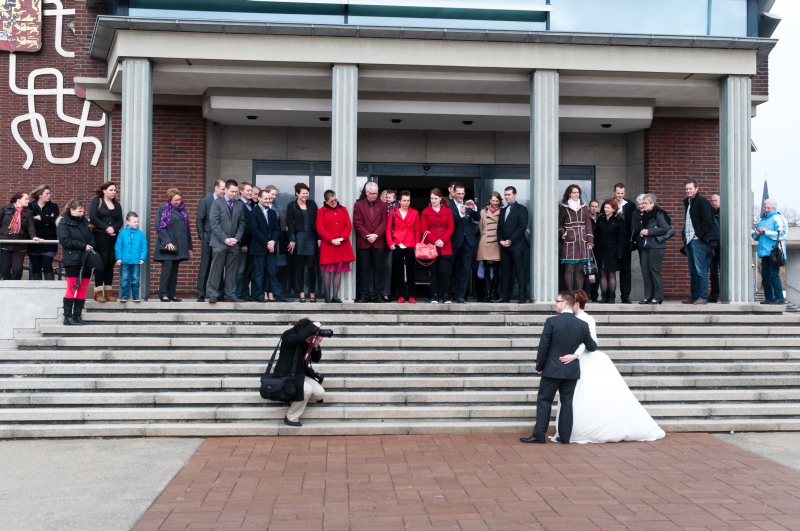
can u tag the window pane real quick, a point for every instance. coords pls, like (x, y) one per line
(325, 182)
(284, 184)
(729, 17)
(672, 17)
(587, 194)
(523, 187)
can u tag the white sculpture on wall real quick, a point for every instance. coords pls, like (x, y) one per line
(37, 121)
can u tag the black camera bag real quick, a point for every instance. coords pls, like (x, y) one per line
(278, 388)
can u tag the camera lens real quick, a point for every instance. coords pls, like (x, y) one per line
(325, 333)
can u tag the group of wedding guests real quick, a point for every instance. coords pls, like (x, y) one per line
(597, 242)
(241, 231)
(387, 231)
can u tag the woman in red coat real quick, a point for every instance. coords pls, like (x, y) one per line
(336, 252)
(402, 235)
(437, 218)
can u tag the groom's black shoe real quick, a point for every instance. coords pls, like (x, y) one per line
(532, 440)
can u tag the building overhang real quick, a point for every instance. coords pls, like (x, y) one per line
(249, 41)
(426, 78)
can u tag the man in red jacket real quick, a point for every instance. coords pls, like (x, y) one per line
(369, 219)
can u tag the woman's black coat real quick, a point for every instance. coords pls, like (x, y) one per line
(294, 215)
(657, 223)
(293, 345)
(46, 227)
(73, 236)
(103, 218)
(609, 242)
(176, 235)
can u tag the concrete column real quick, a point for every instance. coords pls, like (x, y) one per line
(735, 192)
(544, 181)
(136, 148)
(344, 129)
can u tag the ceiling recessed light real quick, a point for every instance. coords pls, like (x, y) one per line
(467, 122)
(324, 119)
(605, 126)
(396, 120)
(251, 117)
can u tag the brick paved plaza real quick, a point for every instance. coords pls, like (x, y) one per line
(475, 482)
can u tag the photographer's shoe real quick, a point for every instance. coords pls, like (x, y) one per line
(290, 423)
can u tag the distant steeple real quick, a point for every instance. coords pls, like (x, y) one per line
(764, 196)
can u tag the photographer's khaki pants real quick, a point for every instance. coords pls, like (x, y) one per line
(311, 390)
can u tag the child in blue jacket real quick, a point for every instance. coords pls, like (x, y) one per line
(131, 252)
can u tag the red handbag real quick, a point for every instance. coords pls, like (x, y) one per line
(425, 253)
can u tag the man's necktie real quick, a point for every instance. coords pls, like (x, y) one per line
(230, 205)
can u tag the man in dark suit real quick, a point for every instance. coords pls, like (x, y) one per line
(227, 228)
(511, 229)
(463, 241)
(203, 226)
(562, 335)
(244, 271)
(627, 209)
(265, 232)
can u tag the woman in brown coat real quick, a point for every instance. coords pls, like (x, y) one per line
(16, 223)
(575, 231)
(488, 247)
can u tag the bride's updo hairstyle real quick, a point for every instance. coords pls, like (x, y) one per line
(581, 298)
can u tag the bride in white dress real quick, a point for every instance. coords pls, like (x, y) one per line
(604, 409)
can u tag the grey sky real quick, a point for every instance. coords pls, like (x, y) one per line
(774, 130)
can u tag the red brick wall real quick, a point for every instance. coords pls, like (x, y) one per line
(179, 156)
(67, 180)
(760, 83)
(179, 161)
(676, 149)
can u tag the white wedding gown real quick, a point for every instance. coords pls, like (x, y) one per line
(603, 408)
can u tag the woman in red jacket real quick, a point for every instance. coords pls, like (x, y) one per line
(336, 252)
(402, 235)
(437, 218)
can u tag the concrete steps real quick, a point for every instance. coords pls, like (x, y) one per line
(189, 369)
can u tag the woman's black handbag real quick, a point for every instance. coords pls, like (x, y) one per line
(166, 250)
(776, 256)
(278, 388)
(93, 259)
(590, 267)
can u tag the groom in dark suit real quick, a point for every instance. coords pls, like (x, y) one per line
(562, 335)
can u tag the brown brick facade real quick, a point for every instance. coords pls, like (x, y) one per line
(68, 180)
(676, 149)
(760, 83)
(179, 161)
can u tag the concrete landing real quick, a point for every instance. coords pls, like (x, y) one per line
(85, 485)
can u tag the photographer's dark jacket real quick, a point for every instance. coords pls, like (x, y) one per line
(293, 346)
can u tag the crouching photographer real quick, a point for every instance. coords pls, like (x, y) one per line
(294, 379)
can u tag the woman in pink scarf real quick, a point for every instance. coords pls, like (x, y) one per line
(16, 223)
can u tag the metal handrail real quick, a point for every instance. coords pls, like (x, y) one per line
(29, 242)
